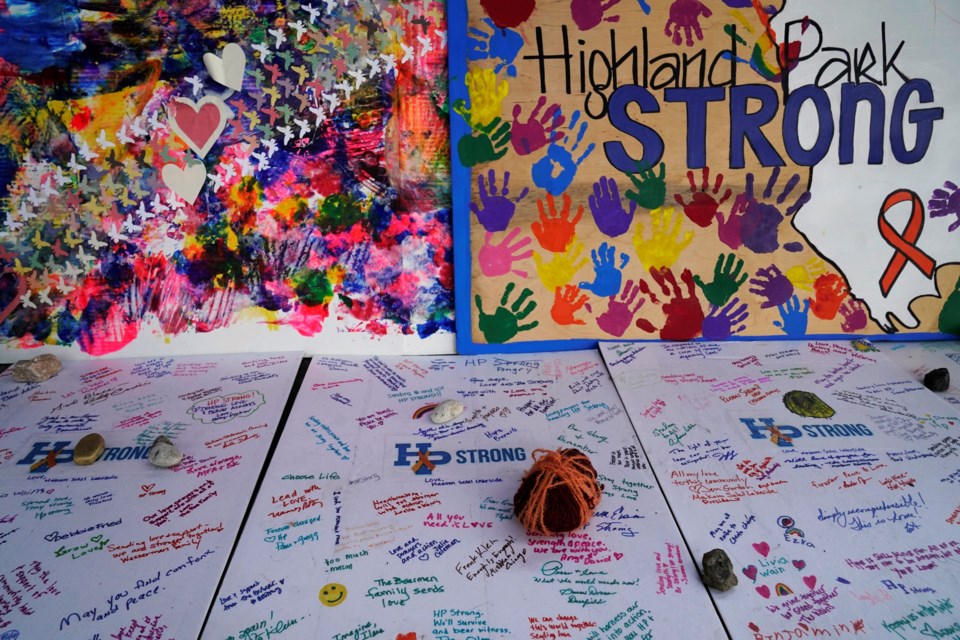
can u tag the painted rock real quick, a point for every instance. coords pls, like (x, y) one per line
(163, 453)
(89, 449)
(937, 380)
(446, 411)
(718, 570)
(807, 405)
(36, 369)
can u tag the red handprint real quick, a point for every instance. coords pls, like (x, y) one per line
(556, 231)
(566, 303)
(684, 316)
(830, 292)
(703, 206)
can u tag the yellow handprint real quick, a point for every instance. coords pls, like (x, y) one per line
(486, 97)
(561, 269)
(803, 275)
(664, 245)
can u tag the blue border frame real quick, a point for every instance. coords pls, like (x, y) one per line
(461, 177)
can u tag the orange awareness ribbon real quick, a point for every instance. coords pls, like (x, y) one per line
(904, 243)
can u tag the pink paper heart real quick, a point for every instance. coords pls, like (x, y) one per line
(764, 590)
(810, 581)
(762, 548)
(198, 123)
(799, 564)
(750, 572)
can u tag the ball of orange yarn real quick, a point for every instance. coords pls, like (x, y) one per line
(558, 493)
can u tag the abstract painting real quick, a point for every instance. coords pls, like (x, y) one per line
(225, 170)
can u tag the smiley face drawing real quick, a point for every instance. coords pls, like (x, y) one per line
(333, 594)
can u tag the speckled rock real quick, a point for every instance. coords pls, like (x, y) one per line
(163, 453)
(446, 411)
(937, 380)
(89, 449)
(36, 369)
(718, 570)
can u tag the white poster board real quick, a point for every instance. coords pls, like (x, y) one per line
(838, 504)
(920, 358)
(374, 522)
(122, 548)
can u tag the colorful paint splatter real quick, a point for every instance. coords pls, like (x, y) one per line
(139, 192)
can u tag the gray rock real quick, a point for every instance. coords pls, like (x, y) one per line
(446, 411)
(36, 369)
(163, 453)
(937, 380)
(718, 571)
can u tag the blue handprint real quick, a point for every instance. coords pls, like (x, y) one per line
(607, 208)
(499, 44)
(555, 180)
(608, 276)
(794, 319)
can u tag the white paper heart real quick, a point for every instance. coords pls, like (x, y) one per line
(185, 182)
(198, 123)
(228, 68)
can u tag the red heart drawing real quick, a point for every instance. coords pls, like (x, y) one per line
(799, 564)
(750, 572)
(407, 636)
(753, 627)
(147, 488)
(810, 581)
(762, 548)
(617, 556)
(764, 590)
(198, 123)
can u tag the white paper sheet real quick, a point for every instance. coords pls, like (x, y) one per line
(121, 548)
(919, 358)
(347, 541)
(841, 522)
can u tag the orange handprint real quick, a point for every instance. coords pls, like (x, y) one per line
(556, 231)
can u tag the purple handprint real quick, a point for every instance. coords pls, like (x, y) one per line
(719, 323)
(771, 284)
(607, 209)
(497, 259)
(619, 315)
(589, 13)
(946, 202)
(534, 134)
(760, 222)
(498, 209)
(685, 14)
(854, 315)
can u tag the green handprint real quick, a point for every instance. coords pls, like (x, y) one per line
(726, 280)
(504, 324)
(489, 142)
(651, 189)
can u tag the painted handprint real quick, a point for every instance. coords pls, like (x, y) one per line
(726, 280)
(803, 275)
(485, 144)
(760, 222)
(589, 13)
(504, 324)
(555, 171)
(664, 245)
(854, 315)
(703, 206)
(946, 202)
(607, 208)
(534, 134)
(497, 44)
(651, 187)
(555, 231)
(793, 318)
(486, 97)
(720, 324)
(685, 14)
(562, 266)
(567, 300)
(498, 259)
(607, 275)
(684, 316)
(771, 285)
(498, 208)
(829, 293)
(620, 313)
